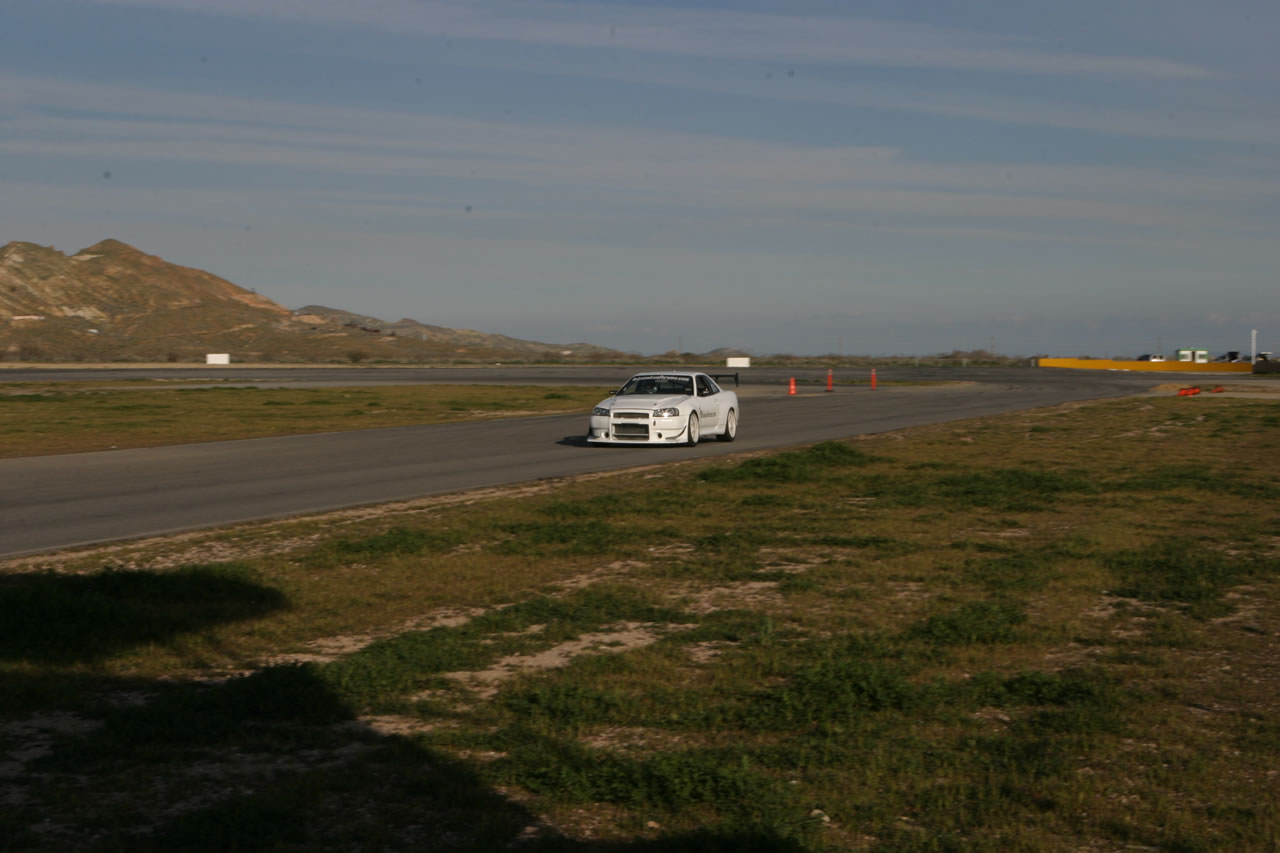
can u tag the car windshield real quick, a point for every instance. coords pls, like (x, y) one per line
(657, 385)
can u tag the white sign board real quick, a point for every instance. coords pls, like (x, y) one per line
(217, 358)
(738, 361)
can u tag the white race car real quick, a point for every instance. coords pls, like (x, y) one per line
(673, 407)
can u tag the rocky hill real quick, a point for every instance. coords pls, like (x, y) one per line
(112, 302)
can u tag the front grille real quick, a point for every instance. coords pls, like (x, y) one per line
(631, 431)
(630, 416)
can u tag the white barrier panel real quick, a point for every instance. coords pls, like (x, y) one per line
(738, 361)
(217, 358)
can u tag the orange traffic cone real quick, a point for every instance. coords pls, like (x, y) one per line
(792, 390)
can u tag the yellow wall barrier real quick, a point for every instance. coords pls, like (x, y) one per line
(1154, 366)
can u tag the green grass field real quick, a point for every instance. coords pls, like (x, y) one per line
(37, 419)
(1049, 631)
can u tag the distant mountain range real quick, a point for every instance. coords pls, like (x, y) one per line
(112, 302)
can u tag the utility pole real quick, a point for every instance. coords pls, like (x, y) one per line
(1253, 347)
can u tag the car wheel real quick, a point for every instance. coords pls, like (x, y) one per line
(730, 427)
(691, 437)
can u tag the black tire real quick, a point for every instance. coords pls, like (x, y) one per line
(730, 427)
(692, 434)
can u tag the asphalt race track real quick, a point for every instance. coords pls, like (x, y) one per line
(53, 502)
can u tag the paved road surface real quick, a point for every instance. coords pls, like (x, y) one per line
(52, 502)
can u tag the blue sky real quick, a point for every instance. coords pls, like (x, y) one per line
(1098, 177)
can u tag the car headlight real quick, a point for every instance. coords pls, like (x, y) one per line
(666, 413)
(600, 411)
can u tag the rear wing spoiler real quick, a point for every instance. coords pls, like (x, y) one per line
(719, 376)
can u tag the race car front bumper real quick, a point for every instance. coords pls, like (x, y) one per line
(623, 427)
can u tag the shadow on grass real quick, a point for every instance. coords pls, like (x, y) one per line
(69, 619)
(277, 761)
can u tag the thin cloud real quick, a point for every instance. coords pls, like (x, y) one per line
(1199, 117)
(533, 166)
(701, 33)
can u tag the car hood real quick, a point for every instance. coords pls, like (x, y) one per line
(645, 401)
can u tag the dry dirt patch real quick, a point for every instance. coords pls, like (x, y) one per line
(614, 639)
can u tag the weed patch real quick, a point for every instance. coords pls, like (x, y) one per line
(766, 500)
(1166, 478)
(399, 540)
(1002, 490)
(608, 506)
(990, 621)
(799, 466)
(584, 610)
(1185, 573)
(1009, 489)
(564, 706)
(668, 781)
(1018, 569)
(532, 538)
(884, 545)
(17, 399)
